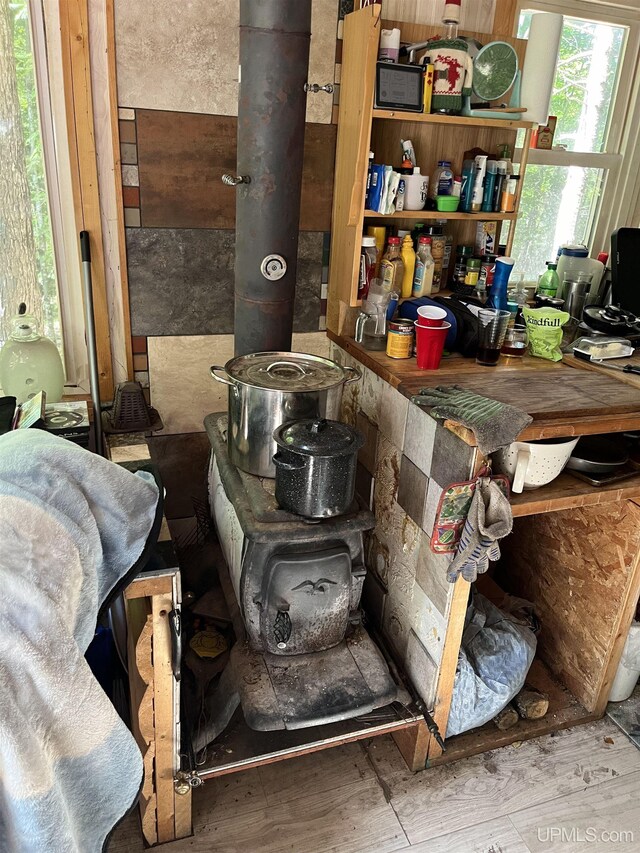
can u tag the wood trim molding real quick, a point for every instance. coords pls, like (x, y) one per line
(74, 33)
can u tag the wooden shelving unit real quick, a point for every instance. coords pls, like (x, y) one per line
(440, 215)
(362, 128)
(463, 121)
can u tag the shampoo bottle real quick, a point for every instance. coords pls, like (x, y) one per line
(478, 182)
(500, 179)
(468, 172)
(489, 185)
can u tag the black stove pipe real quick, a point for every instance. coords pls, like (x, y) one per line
(274, 59)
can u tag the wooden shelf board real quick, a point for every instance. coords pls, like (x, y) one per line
(439, 214)
(568, 492)
(465, 121)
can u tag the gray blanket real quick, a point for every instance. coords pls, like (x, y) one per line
(72, 525)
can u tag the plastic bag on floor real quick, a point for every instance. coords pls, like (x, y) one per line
(496, 653)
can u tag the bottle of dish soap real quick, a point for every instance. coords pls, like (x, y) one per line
(549, 281)
(30, 362)
(409, 258)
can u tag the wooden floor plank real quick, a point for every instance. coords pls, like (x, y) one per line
(317, 772)
(494, 836)
(602, 818)
(455, 796)
(227, 796)
(353, 819)
(457, 808)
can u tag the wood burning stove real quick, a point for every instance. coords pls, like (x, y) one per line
(306, 658)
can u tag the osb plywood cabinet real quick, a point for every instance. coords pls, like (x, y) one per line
(362, 128)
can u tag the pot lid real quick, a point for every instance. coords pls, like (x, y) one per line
(285, 371)
(318, 437)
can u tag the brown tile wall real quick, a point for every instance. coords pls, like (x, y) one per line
(175, 205)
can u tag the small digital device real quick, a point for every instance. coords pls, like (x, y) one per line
(399, 87)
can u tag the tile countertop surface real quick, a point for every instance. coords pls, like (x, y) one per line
(561, 399)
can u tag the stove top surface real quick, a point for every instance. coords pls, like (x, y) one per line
(254, 499)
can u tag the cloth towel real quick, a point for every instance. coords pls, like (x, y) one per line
(489, 519)
(72, 527)
(494, 424)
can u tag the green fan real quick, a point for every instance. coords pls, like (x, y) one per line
(495, 71)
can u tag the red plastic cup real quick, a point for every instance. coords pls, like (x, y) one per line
(431, 315)
(429, 324)
(429, 345)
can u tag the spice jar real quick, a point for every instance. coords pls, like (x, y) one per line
(473, 272)
(487, 269)
(463, 253)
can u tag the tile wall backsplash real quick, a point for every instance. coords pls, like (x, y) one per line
(181, 388)
(182, 157)
(405, 455)
(184, 56)
(181, 281)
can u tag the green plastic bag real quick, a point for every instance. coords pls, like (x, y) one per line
(544, 331)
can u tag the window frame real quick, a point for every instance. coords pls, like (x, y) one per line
(620, 195)
(47, 54)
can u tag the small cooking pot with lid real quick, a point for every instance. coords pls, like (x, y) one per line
(267, 389)
(316, 467)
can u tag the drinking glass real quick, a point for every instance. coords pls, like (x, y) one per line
(515, 342)
(492, 328)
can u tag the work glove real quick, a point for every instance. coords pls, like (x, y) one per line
(489, 519)
(494, 424)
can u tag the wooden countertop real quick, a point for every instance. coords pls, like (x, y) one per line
(562, 399)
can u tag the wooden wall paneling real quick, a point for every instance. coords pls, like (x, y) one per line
(182, 157)
(476, 14)
(504, 22)
(74, 30)
(580, 570)
(105, 114)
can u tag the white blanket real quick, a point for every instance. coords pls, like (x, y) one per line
(72, 526)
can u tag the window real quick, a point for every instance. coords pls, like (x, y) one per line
(564, 190)
(38, 259)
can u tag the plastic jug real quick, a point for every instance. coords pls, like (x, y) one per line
(30, 362)
(574, 259)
